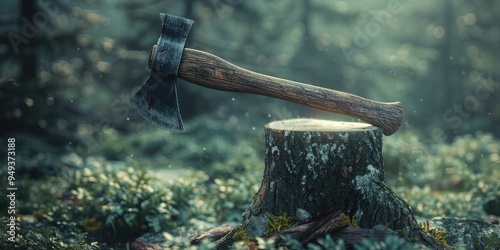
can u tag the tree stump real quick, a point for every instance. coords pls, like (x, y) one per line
(314, 166)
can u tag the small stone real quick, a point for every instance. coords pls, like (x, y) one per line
(256, 227)
(302, 215)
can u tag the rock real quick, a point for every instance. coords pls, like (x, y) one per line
(469, 233)
(302, 215)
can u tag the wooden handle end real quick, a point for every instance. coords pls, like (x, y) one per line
(390, 119)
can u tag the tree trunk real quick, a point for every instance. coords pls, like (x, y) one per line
(314, 166)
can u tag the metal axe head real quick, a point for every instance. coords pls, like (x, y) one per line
(157, 101)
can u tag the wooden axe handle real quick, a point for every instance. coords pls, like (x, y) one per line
(213, 72)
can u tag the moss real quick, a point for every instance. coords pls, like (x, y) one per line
(277, 223)
(241, 235)
(440, 236)
(350, 220)
(404, 233)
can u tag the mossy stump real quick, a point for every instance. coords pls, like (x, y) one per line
(313, 167)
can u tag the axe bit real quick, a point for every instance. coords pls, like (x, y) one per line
(157, 101)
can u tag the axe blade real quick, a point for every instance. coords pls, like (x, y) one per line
(157, 102)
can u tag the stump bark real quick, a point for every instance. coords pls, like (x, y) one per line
(316, 166)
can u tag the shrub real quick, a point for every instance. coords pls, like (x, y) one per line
(118, 205)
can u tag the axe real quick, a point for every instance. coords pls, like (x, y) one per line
(157, 101)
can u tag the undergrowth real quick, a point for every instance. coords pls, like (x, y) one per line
(95, 200)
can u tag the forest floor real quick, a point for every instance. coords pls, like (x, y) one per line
(185, 184)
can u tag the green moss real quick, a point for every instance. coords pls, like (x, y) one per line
(241, 235)
(350, 220)
(404, 233)
(440, 236)
(277, 223)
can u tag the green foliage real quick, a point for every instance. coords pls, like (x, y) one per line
(119, 205)
(212, 146)
(350, 220)
(291, 243)
(234, 166)
(265, 244)
(45, 237)
(230, 197)
(241, 235)
(327, 243)
(405, 155)
(119, 202)
(456, 165)
(436, 179)
(429, 203)
(276, 223)
(391, 242)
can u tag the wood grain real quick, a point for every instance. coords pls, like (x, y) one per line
(213, 72)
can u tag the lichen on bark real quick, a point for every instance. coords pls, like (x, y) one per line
(312, 166)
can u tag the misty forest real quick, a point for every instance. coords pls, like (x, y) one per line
(82, 169)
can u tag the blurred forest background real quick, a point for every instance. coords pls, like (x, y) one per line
(69, 68)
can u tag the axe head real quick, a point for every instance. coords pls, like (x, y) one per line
(156, 101)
